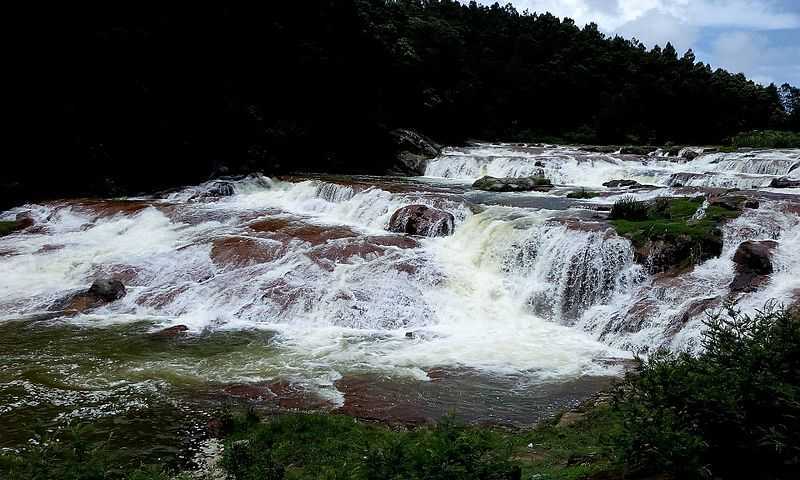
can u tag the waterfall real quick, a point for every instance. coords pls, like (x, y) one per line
(536, 290)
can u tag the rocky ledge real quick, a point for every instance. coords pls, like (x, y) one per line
(512, 184)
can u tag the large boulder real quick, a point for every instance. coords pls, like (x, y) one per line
(753, 261)
(422, 220)
(784, 182)
(411, 152)
(513, 184)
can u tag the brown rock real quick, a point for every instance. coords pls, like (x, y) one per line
(422, 220)
(244, 251)
(171, 332)
(753, 261)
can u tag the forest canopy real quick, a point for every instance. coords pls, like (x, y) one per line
(126, 91)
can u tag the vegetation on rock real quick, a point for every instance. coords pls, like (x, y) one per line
(667, 232)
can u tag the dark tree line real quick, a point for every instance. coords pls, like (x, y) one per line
(139, 97)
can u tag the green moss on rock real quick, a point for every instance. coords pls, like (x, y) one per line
(667, 234)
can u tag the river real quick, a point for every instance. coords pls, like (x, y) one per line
(294, 295)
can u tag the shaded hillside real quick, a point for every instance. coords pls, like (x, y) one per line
(140, 98)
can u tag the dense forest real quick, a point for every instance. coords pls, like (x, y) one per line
(128, 98)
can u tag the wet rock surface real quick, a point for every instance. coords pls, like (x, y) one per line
(422, 220)
(753, 261)
(621, 183)
(785, 182)
(513, 184)
(101, 292)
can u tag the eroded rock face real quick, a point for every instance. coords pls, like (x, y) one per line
(422, 220)
(675, 253)
(412, 152)
(753, 261)
(513, 184)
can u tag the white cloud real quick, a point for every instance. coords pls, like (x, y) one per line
(613, 14)
(657, 28)
(741, 29)
(753, 54)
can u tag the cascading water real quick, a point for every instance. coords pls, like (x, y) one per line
(570, 166)
(300, 281)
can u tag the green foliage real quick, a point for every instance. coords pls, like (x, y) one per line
(628, 208)
(731, 412)
(582, 194)
(585, 449)
(7, 227)
(767, 139)
(452, 69)
(72, 456)
(667, 218)
(328, 446)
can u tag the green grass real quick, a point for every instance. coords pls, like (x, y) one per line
(73, 456)
(767, 139)
(670, 218)
(309, 446)
(331, 447)
(584, 449)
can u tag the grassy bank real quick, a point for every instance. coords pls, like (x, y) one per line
(730, 412)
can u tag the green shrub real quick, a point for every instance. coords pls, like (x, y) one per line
(628, 208)
(767, 139)
(330, 446)
(731, 412)
(450, 451)
(72, 456)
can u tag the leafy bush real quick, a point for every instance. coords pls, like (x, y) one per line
(767, 139)
(628, 208)
(731, 412)
(329, 446)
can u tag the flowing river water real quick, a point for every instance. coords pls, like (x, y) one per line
(295, 295)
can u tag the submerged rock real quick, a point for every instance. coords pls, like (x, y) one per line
(753, 261)
(171, 332)
(784, 182)
(621, 183)
(513, 184)
(422, 220)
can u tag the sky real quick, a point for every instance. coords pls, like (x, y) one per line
(760, 38)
